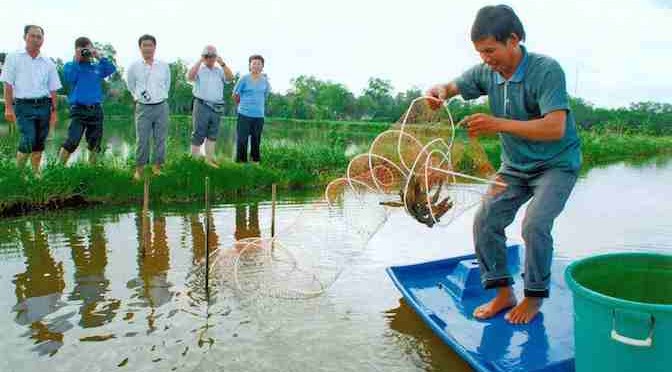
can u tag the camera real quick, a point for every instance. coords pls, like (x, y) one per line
(145, 95)
(86, 53)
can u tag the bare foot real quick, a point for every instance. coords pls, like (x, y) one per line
(137, 176)
(504, 300)
(525, 311)
(211, 162)
(156, 170)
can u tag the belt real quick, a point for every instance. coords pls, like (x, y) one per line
(88, 107)
(151, 104)
(212, 105)
(34, 101)
(201, 100)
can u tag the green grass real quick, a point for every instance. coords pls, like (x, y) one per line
(290, 167)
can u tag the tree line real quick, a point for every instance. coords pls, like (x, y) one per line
(314, 99)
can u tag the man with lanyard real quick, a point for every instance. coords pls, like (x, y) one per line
(31, 82)
(148, 80)
(208, 80)
(541, 156)
(86, 114)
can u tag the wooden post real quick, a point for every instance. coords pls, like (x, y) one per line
(145, 217)
(207, 235)
(145, 200)
(273, 195)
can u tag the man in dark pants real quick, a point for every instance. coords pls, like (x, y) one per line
(541, 155)
(31, 82)
(86, 115)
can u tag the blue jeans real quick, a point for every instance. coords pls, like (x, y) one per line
(549, 191)
(33, 122)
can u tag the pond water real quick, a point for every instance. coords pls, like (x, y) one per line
(110, 289)
(119, 136)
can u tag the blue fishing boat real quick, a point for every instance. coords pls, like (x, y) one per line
(444, 294)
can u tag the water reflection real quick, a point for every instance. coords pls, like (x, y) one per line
(247, 221)
(152, 285)
(195, 280)
(419, 342)
(39, 290)
(505, 342)
(90, 258)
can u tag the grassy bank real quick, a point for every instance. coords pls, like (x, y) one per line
(290, 165)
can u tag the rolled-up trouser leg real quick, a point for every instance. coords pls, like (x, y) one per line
(199, 122)
(94, 129)
(42, 116)
(75, 130)
(143, 130)
(25, 121)
(496, 212)
(550, 190)
(161, 121)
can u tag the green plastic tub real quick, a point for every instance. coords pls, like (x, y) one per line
(622, 312)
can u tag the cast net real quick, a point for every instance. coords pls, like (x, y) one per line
(424, 164)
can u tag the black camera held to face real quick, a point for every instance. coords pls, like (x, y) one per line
(88, 53)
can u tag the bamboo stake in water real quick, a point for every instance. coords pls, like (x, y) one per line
(207, 233)
(145, 200)
(273, 189)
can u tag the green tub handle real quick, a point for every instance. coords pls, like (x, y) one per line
(647, 342)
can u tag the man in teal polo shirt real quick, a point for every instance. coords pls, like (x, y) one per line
(541, 155)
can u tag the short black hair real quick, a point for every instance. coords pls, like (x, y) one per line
(82, 42)
(146, 37)
(256, 56)
(498, 21)
(27, 28)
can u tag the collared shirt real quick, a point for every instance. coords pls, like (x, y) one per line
(153, 79)
(209, 84)
(253, 95)
(86, 79)
(536, 88)
(30, 77)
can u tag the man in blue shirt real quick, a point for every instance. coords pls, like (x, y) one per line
(541, 155)
(85, 77)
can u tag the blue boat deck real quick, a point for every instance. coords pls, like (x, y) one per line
(445, 293)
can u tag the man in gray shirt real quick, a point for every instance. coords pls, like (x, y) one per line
(148, 80)
(208, 80)
(541, 156)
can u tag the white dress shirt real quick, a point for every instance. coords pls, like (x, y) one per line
(153, 79)
(30, 77)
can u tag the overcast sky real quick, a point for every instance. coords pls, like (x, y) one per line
(613, 52)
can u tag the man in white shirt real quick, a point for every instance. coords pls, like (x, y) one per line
(31, 82)
(208, 80)
(148, 80)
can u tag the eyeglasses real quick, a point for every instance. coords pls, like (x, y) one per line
(209, 55)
